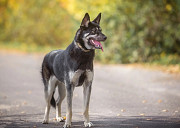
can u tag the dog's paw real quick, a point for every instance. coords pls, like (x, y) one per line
(60, 119)
(67, 125)
(88, 124)
(45, 122)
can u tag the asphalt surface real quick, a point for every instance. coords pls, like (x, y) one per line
(122, 96)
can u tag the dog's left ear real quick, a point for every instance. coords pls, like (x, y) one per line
(97, 19)
(85, 21)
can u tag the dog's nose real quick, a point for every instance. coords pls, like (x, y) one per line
(105, 37)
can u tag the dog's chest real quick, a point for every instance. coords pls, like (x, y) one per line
(78, 77)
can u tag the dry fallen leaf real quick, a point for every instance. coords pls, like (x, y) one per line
(159, 101)
(148, 119)
(144, 101)
(118, 114)
(29, 92)
(22, 112)
(164, 110)
(24, 103)
(122, 110)
(142, 114)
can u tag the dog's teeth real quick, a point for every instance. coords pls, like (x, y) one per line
(93, 42)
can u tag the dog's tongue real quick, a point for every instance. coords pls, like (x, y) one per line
(99, 44)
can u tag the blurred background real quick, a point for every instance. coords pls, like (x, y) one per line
(138, 31)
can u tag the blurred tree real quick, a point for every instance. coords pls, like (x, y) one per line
(137, 30)
(143, 29)
(42, 22)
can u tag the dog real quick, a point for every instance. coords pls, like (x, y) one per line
(70, 68)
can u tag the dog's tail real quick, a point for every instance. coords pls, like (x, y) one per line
(53, 102)
(45, 72)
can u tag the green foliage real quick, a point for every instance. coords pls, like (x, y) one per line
(137, 30)
(40, 22)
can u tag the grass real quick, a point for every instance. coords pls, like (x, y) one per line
(26, 48)
(171, 68)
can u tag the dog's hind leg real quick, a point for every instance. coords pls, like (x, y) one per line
(48, 95)
(62, 94)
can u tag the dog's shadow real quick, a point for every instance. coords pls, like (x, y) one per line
(27, 121)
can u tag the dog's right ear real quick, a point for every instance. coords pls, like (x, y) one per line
(97, 19)
(85, 21)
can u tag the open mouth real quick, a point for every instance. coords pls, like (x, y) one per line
(96, 44)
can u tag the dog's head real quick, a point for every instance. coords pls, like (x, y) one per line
(90, 33)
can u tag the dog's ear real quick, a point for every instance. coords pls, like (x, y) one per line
(97, 19)
(85, 21)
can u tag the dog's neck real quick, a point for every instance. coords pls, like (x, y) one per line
(83, 59)
(76, 49)
(79, 46)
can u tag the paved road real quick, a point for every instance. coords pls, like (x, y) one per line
(122, 97)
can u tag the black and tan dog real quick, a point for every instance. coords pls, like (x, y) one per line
(67, 69)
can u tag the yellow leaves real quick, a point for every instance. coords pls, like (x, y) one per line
(168, 7)
(78, 8)
(163, 54)
(67, 4)
(70, 6)
(98, 2)
(13, 4)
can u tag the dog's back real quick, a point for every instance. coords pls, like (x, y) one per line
(47, 66)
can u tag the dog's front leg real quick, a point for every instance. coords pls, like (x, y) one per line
(87, 93)
(69, 96)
